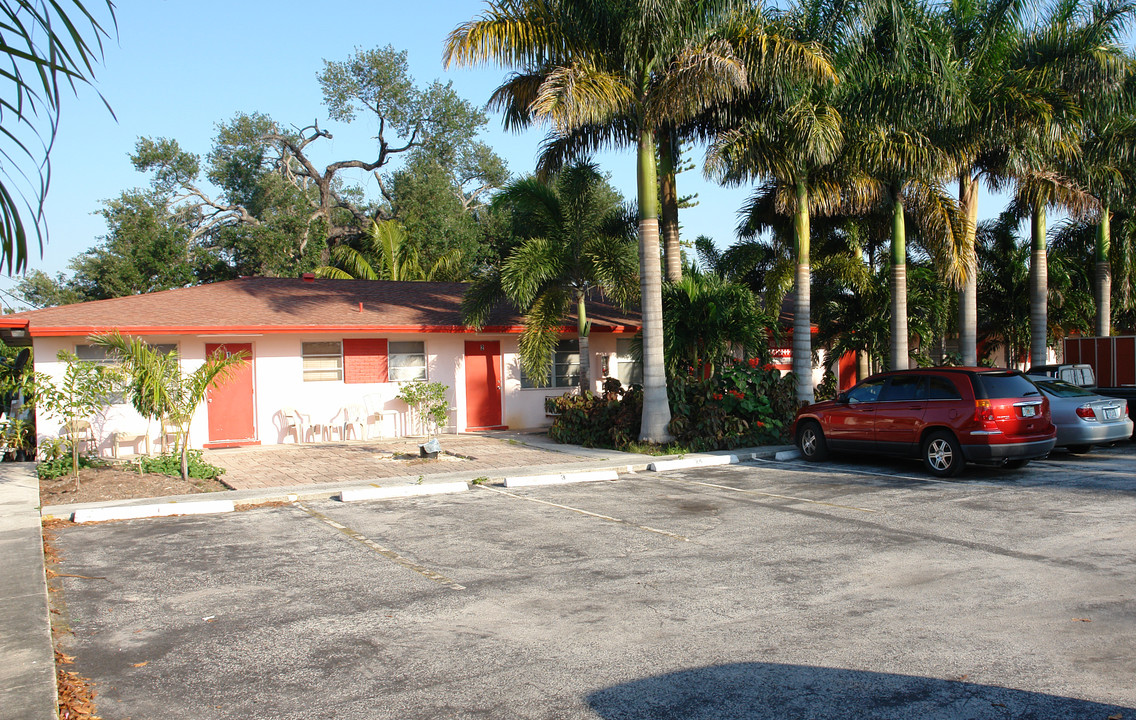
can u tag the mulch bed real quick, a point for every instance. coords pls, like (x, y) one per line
(118, 483)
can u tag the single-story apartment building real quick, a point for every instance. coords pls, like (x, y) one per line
(321, 348)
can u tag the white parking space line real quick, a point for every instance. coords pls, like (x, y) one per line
(385, 552)
(608, 518)
(767, 494)
(801, 466)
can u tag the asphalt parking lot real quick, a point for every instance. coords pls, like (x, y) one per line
(764, 590)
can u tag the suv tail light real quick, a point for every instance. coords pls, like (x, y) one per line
(984, 417)
(983, 411)
(1086, 412)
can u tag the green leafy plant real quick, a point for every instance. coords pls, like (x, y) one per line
(610, 420)
(62, 465)
(170, 464)
(745, 403)
(83, 391)
(158, 388)
(828, 387)
(52, 448)
(428, 401)
(18, 436)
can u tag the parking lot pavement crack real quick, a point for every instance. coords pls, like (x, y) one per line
(608, 518)
(384, 551)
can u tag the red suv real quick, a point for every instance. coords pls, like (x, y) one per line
(946, 416)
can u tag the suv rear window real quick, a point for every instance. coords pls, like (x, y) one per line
(995, 386)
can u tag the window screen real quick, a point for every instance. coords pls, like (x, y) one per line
(323, 361)
(406, 361)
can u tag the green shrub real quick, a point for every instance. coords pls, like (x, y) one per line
(611, 420)
(171, 465)
(744, 403)
(59, 466)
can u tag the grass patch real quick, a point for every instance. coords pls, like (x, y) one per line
(673, 448)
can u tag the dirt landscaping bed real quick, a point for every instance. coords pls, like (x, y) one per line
(112, 482)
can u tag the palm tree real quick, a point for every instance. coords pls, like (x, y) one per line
(159, 389)
(793, 142)
(574, 241)
(1084, 45)
(901, 86)
(1106, 166)
(50, 45)
(1003, 287)
(397, 259)
(708, 319)
(625, 69)
(1000, 96)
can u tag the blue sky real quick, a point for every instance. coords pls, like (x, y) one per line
(178, 68)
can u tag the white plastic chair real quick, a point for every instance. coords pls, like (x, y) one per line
(376, 414)
(296, 424)
(354, 415)
(80, 431)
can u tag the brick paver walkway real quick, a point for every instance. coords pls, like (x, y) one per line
(289, 465)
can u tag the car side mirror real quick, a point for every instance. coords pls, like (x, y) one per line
(842, 398)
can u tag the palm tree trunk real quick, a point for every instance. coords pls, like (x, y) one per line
(968, 295)
(656, 405)
(1104, 275)
(672, 249)
(583, 328)
(802, 314)
(863, 366)
(1039, 290)
(899, 352)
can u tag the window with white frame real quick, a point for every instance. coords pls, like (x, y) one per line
(628, 369)
(406, 361)
(323, 361)
(565, 371)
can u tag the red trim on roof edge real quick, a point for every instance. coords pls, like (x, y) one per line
(294, 329)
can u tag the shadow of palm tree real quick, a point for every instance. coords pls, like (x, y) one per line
(768, 691)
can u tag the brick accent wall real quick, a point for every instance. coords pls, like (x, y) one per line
(364, 360)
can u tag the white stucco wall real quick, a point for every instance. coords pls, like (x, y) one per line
(278, 383)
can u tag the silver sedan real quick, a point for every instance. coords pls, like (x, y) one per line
(1082, 417)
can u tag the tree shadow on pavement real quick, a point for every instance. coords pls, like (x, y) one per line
(767, 691)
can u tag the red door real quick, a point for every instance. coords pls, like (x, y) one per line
(232, 416)
(483, 384)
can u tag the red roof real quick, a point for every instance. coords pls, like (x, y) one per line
(287, 305)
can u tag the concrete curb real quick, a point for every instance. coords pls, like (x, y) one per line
(27, 659)
(611, 460)
(695, 461)
(400, 491)
(788, 455)
(561, 479)
(132, 512)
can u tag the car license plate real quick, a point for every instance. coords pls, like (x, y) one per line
(1111, 413)
(1029, 410)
